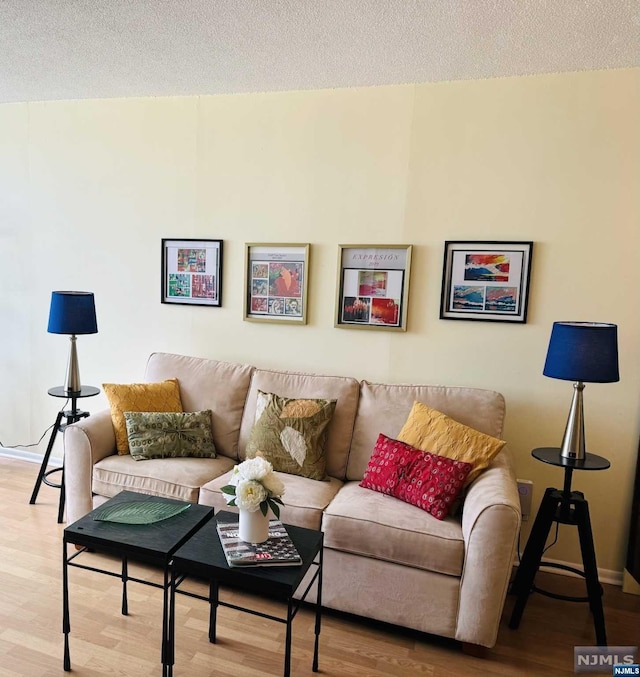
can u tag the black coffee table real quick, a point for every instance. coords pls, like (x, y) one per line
(202, 557)
(149, 544)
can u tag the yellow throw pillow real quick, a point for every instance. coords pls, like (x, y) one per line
(430, 430)
(162, 396)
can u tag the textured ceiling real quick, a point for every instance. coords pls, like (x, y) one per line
(69, 49)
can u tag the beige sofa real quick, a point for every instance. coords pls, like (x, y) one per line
(384, 559)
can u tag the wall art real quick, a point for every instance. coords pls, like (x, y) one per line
(373, 286)
(192, 272)
(276, 282)
(486, 281)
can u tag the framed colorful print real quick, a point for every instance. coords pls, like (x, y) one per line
(192, 272)
(373, 286)
(486, 281)
(276, 282)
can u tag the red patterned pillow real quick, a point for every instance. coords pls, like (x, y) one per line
(425, 480)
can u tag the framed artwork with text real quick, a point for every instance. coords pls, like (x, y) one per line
(373, 286)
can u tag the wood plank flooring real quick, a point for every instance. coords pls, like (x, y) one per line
(103, 642)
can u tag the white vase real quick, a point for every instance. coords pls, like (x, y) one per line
(253, 527)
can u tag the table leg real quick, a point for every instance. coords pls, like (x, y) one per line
(66, 626)
(168, 623)
(213, 609)
(532, 555)
(318, 613)
(62, 497)
(287, 646)
(45, 460)
(125, 578)
(594, 589)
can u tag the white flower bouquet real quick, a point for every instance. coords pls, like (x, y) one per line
(254, 485)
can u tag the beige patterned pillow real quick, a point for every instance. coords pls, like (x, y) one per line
(162, 396)
(291, 434)
(169, 434)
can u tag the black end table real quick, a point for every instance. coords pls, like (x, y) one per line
(564, 507)
(202, 556)
(72, 416)
(148, 543)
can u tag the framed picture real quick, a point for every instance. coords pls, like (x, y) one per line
(373, 286)
(192, 272)
(276, 282)
(486, 281)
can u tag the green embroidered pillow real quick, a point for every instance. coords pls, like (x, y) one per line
(291, 434)
(169, 434)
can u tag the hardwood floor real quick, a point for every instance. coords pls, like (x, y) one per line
(103, 642)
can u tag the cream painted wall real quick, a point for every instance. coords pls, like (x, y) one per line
(15, 245)
(88, 189)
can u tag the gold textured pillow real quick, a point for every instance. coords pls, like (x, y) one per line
(431, 430)
(162, 396)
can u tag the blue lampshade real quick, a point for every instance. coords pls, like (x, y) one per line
(583, 351)
(72, 312)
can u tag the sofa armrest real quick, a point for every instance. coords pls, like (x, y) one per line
(490, 524)
(85, 443)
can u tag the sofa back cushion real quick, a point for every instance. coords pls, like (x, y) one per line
(344, 390)
(208, 384)
(385, 408)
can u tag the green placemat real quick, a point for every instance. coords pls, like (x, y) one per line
(139, 512)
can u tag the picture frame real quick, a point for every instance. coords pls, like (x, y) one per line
(191, 272)
(276, 282)
(486, 281)
(372, 290)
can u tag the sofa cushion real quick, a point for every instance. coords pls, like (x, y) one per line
(291, 434)
(417, 477)
(179, 478)
(161, 396)
(208, 384)
(304, 499)
(384, 409)
(405, 596)
(169, 435)
(293, 385)
(363, 522)
(433, 431)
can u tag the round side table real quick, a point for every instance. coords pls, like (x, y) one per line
(71, 416)
(564, 507)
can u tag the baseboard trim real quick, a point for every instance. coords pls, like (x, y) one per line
(630, 584)
(604, 575)
(30, 456)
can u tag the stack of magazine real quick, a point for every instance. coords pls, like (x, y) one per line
(278, 550)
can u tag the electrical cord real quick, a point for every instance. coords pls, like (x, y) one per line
(34, 444)
(553, 542)
(26, 446)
